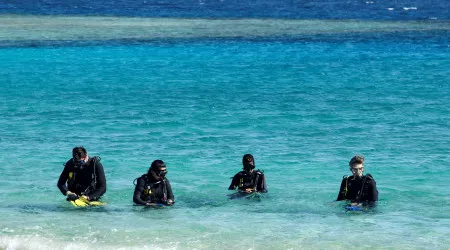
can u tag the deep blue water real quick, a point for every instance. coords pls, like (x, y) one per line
(294, 9)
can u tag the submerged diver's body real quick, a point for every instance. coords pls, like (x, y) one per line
(154, 188)
(82, 176)
(358, 188)
(249, 180)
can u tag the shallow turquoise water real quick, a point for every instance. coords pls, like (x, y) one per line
(303, 106)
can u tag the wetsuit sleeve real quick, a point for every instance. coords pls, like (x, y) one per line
(373, 192)
(63, 179)
(234, 182)
(169, 191)
(341, 195)
(100, 188)
(262, 186)
(138, 190)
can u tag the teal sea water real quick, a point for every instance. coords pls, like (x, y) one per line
(303, 96)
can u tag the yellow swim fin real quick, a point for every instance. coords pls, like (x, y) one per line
(83, 202)
(83, 199)
(80, 203)
(92, 203)
(97, 203)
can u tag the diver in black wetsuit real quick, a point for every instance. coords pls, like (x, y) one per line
(249, 180)
(154, 188)
(82, 176)
(358, 188)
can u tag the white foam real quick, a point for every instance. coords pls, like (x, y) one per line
(390, 9)
(41, 243)
(410, 8)
(37, 243)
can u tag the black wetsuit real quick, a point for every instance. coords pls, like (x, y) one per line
(149, 190)
(86, 180)
(244, 180)
(358, 189)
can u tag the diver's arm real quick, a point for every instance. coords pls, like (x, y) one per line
(262, 186)
(63, 179)
(170, 197)
(373, 192)
(100, 187)
(138, 190)
(341, 195)
(234, 183)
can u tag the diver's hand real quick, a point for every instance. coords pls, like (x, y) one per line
(71, 196)
(169, 202)
(86, 197)
(249, 190)
(354, 204)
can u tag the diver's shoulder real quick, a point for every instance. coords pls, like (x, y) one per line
(345, 179)
(240, 173)
(69, 163)
(369, 178)
(97, 160)
(142, 178)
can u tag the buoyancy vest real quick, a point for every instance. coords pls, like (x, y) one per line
(247, 180)
(148, 194)
(362, 192)
(76, 174)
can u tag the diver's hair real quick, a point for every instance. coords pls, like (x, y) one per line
(357, 159)
(79, 152)
(156, 164)
(248, 158)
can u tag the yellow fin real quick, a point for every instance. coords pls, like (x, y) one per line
(83, 199)
(92, 203)
(81, 203)
(97, 203)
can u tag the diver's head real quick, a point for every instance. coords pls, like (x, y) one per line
(157, 170)
(248, 162)
(79, 156)
(357, 166)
